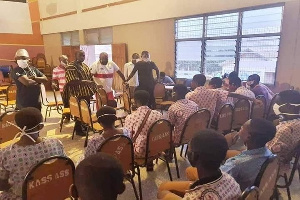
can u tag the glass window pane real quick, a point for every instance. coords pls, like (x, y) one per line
(189, 28)
(188, 58)
(219, 57)
(222, 25)
(262, 21)
(75, 38)
(92, 36)
(66, 39)
(259, 56)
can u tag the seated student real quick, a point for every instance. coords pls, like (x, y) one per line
(287, 107)
(205, 98)
(206, 153)
(235, 86)
(98, 177)
(166, 80)
(18, 158)
(259, 89)
(245, 166)
(180, 111)
(139, 122)
(106, 118)
(226, 77)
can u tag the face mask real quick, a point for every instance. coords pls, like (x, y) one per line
(276, 109)
(22, 63)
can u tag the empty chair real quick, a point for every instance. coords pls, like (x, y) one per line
(50, 179)
(241, 113)
(251, 193)
(103, 97)
(267, 178)
(10, 98)
(160, 94)
(7, 131)
(258, 110)
(121, 147)
(74, 111)
(225, 119)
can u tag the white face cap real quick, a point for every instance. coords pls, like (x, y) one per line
(22, 52)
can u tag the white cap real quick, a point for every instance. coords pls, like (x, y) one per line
(22, 52)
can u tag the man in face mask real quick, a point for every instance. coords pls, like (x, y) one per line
(128, 67)
(103, 72)
(287, 107)
(27, 79)
(59, 73)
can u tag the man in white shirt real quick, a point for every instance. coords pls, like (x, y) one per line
(103, 72)
(128, 67)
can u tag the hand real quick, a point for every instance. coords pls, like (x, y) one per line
(54, 86)
(31, 77)
(258, 102)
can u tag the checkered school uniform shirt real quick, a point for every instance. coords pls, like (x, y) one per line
(134, 121)
(178, 113)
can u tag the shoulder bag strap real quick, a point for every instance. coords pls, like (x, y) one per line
(141, 126)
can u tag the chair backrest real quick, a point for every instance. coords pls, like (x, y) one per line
(196, 122)
(270, 113)
(7, 131)
(241, 113)
(55, 96)
(85, 112)
(159, 138)
(159, 91)
(258, 110)
(103, 96)
(50, 179)
(121, 147)
(250, 193)
(267, 177)
(74, 107)
(43, 94)
(12, 93)
(225, 118)
(127, 102)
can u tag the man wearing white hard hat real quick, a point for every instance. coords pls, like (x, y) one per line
(27, 79)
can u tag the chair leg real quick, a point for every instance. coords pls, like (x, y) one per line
(50, 111)
(86, 137)
(187, 148)
(73, 131)
(181, 151)
(287, 187)
(134, 188)
(61, 122)
(46, 114)
(168, 166)
(176, 163)
(140, 182)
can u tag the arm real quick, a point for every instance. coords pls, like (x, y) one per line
(26, 81)
(42, 79)
(238, 96)
(132, 73)
(121, 75)
(156, 70)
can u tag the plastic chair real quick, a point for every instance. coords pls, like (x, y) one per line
(241, 113)
(10, 99)
(121, 147)
(258, 110)
(159, 141)
(250, 193)
(7, 131)
(50, 179)
(225, 119)
(198, 121)
(86, 118)
(267, 178)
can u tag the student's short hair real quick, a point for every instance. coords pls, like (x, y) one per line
(106, 115)
(162, 74)
(233, 74)
(211, 148)
(289, 96)
(236, 81)
(216, 81)
(180, 89)
(254, 77)
(200, 79)
(142, 96)
(29, 117)
(261, 131)
(135, 56)
(98, 175)
(145, 54)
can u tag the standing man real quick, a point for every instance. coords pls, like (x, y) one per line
(59, 73)
(27, 79)
(80, 83)
(146, 80)
(128, 67)
(103, 72)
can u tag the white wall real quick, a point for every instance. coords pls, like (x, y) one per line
(15, 18)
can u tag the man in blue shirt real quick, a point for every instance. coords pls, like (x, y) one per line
(166, 80)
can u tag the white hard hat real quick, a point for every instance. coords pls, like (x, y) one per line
(22, 52)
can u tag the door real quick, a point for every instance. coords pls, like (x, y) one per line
(70, 52)
(119, 56)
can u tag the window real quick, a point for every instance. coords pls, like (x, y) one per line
(246, 41)
(70, 38)
(98, 36)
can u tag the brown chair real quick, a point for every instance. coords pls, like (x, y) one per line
(7, 131)
(241, 113)
(126, 107)
(121, 147)
(103, 97)
(258, 110)
(159, 141)
(160, 94)
(250, 193)
(10, 99)
(267, 178)
(225, 119)
(50, 179)
(50, 105)
(295, 154)
(270, 113)
(86, 118)
(196, 122)
(74, 111)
